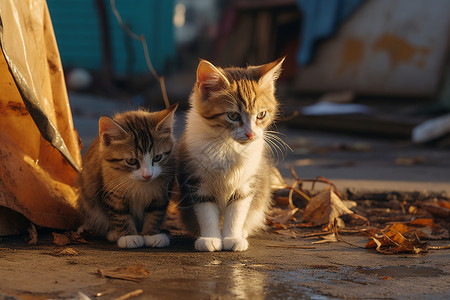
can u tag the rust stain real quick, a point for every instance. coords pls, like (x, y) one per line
(401, 51)
(351, 56)
(19, 108)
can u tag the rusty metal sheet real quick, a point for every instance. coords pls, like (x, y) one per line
(385, 48)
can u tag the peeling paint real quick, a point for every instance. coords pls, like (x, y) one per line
(351, 56)
(400, 51)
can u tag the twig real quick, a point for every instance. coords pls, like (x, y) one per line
(131, 294)
(314, 180)
(292, 246)
(339, 238)
(314, 234)
(141, 39)
(439, 247)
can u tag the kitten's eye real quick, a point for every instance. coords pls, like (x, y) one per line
(132, 161)
(157, 158)
(261, 115)
(233, 116)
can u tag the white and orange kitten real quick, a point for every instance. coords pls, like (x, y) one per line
(223, 161)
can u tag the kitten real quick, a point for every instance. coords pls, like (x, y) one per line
(125, 178)
(223, 162)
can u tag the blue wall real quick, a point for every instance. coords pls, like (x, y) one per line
(78, 34)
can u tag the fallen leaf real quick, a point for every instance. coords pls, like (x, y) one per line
(385, 277)
(391, 241)
(131, 273)
(324, 208)
(64, 252)
(284, 216)
(68, 237)
(286, 232)
(60, 239)
(329, 238)
(277, 181)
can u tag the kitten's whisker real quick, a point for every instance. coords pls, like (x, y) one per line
(278, 144)
(274, 146)
(281, 141)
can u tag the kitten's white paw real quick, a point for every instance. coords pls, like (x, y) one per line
(131, 241)
(235, 244)
(82, 229)
(112, 236)
(208, 244)
(157, 240)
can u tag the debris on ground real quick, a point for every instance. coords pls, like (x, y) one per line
(64, 252)
(33, 236)
(131, 273)
(68, 237)
(393, 223)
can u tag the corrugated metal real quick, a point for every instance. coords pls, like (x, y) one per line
(78, 34)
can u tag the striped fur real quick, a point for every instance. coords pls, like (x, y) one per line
(223, 161)
(125, 177)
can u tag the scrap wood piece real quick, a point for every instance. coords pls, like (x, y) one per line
(131, 273)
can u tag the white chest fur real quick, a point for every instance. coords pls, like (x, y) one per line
(222, 164)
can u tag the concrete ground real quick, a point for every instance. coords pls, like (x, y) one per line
(275, 266)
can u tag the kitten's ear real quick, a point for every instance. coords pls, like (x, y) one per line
(109, 130)
(269, 74)
(209, 78)
(166, 117)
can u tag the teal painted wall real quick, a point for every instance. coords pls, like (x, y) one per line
(77, 32)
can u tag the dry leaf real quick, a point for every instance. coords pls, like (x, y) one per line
(64, 252)
(277, 181)
(60, 239)
(284, 216)
(391, 241)
(131, 273)
(324, 208)
(329, 238)
(68, 237)
(286, 232)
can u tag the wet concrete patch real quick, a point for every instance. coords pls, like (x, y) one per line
(402, 271)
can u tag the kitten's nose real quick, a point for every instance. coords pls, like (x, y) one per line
(147, 176)
(250, 135)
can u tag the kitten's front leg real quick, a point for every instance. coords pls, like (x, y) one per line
(209, 222)
(122, 227)
(153, 219)
(233, 223)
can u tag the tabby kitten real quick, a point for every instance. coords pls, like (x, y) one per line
(125, 178)
(223, 165)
